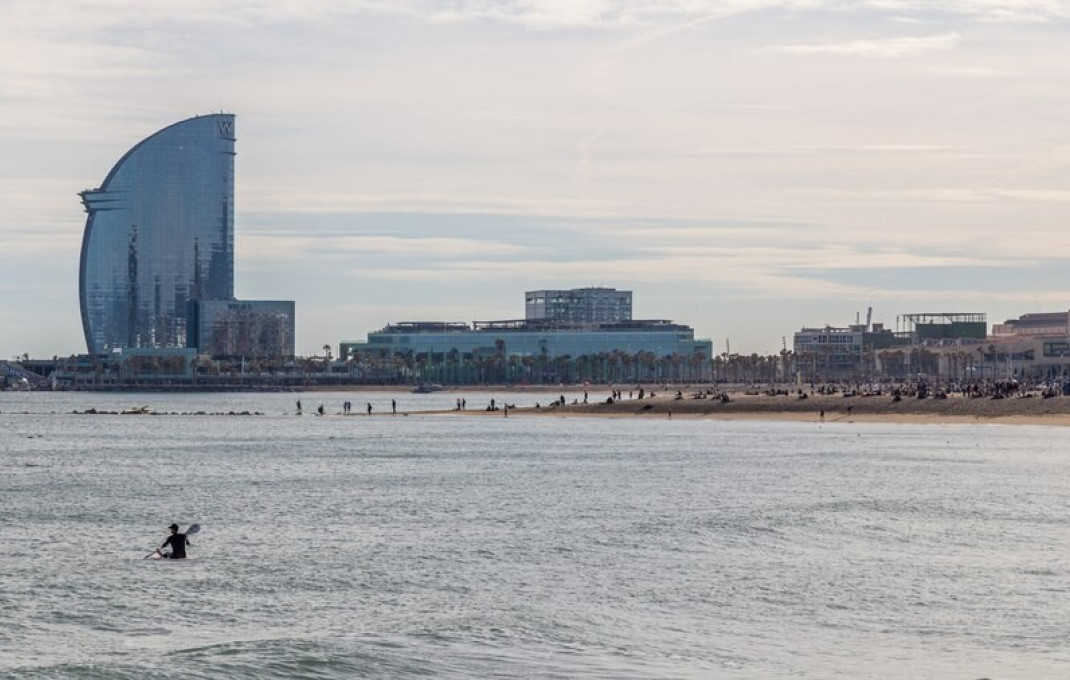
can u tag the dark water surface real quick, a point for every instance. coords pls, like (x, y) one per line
(438, 546)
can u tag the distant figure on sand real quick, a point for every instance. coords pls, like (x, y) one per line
(822, 415)
(298, 406)
(393, 406)
(369, 408)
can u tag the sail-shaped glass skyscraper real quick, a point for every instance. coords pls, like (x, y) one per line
(159, 236)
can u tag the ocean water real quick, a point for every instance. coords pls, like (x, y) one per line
(444, 546)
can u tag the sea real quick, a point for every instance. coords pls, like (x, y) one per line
(428, 546)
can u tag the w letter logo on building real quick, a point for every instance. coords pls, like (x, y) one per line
(226, 128)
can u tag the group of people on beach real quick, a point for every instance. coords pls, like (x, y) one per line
(347, 407)
(941, 389)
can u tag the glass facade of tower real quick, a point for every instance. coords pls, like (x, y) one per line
(159, 236)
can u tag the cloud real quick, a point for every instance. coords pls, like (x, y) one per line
(993, 11)
(1041, 195)
(430, 202)
(825, 258)
(887, 48)
(297, 248)
(524, 143)
(975, 72)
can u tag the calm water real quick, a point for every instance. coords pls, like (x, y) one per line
(438, 546)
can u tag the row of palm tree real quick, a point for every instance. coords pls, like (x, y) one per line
(493, 365)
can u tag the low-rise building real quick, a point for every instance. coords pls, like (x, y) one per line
(531, 339)
(1041, 324)
(539, 349)
(838, 353)
(251, 329)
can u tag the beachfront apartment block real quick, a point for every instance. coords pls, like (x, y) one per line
(930, 344)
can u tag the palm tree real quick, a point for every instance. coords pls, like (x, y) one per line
(628, 361)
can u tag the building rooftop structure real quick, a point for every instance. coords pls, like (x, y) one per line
(939, 326)
(579, 305)
(1055, 324)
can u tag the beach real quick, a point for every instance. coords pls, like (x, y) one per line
(1032, 410)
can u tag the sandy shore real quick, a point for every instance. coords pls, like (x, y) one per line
(956, 409)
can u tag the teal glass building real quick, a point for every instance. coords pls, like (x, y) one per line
(159, 236)
(437, 341)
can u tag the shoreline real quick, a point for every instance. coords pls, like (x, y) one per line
(836, 409)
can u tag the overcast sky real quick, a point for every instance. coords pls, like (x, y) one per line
(747, 167)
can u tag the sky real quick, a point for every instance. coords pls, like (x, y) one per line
(747, 167)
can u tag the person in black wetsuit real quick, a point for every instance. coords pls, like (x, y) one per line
(178, 543)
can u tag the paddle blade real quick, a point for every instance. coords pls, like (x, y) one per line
(193, 528)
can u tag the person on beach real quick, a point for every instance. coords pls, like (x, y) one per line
(393, 406)
(178, 543)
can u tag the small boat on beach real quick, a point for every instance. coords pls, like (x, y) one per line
(428, 388)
